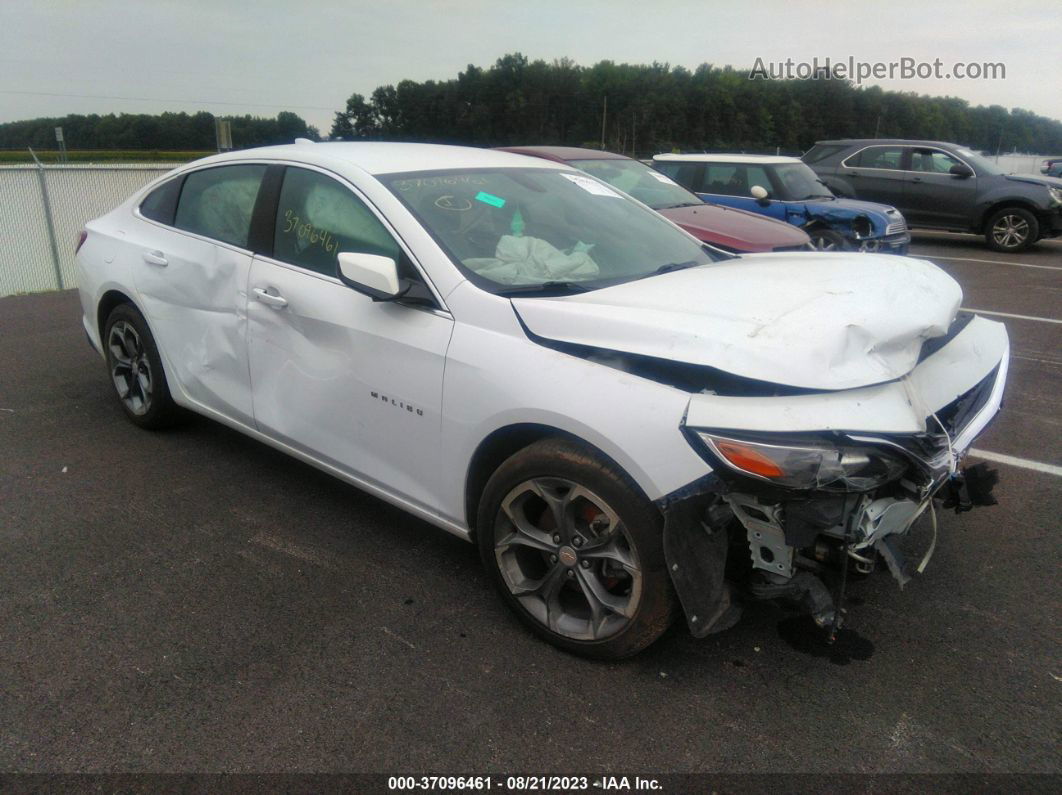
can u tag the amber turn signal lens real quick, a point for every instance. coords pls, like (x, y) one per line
(746, 458)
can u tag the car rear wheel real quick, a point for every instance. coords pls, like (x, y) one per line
(826, 240)
(136, 369)
(576, 550)
(1012, 229)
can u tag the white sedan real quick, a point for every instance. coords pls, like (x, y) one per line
(628, 423)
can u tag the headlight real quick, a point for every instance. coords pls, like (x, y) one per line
(862, 228)
(824, 467)
(1056, 194)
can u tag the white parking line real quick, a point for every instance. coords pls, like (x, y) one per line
(1007, 314)
(994, 262)
(929, 234)
(1055, 362)
(1014, 461)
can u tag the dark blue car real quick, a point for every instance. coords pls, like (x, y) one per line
(786, 189)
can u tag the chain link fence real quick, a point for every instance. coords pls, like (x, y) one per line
(42, 211)
(43, 208)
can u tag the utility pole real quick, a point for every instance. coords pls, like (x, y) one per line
(604, 114)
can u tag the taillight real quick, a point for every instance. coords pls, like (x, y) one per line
(82, 236)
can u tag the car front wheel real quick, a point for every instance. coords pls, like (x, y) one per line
(826, 240)
(1012, 229)
(576, 550)
(136, 369)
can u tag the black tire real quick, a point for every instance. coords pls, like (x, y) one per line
(827, 240)
(580, 624)
(129, 346)
(1011, 229)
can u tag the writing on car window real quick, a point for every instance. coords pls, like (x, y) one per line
(318, 218)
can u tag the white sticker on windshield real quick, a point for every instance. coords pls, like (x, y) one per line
(662, 178)
(591, 186)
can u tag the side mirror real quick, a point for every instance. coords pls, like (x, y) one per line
(959, 170)
(759, 193)
(371, 274)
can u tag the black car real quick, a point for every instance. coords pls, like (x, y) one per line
(943, 186)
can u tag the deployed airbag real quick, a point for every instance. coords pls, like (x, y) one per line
(530, 260)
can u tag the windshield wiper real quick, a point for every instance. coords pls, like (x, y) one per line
(673, 266)
(676, 206)
(558, 287)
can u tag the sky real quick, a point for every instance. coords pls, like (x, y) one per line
(226, 57)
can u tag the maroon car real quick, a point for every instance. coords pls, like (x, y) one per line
(723, 227)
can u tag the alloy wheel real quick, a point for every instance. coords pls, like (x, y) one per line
(130, 367)
(1010, 231)
(564, 553)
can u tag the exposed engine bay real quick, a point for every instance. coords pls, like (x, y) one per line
(792, 518)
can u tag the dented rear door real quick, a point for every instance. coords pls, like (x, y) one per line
(192, 282)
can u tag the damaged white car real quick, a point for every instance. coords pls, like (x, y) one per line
(628, 423)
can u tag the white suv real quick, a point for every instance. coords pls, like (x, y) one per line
(525, 357)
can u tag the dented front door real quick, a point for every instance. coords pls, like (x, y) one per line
(353, 382)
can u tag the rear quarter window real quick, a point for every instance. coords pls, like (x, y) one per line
(730, 179)
(161, 204)
(685, 174)
(820, 152)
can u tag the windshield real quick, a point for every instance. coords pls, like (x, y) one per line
(798, 182)
(979, 164)
(542, 227)
(638, 180)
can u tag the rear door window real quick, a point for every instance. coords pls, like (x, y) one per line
(889, 158)
(317, 218)
(218, 202)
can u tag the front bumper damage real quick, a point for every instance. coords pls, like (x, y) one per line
(891, 244)
(729, 537)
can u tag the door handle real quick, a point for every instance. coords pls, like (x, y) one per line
(155, 258)
(852, 174)
(275, 301)
(916, 179)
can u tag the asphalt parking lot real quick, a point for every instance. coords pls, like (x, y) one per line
(194, 601)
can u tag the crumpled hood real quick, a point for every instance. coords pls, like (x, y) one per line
(853, 206)
(814, 320)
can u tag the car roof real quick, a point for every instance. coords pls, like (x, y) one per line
(563, 154)
(379, 157)
(718, 158)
